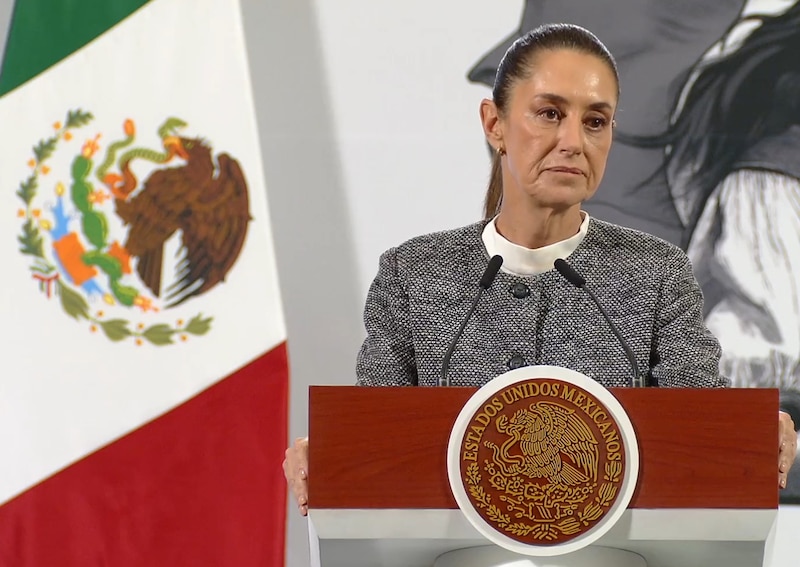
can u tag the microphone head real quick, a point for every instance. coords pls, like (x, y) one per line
(569, 273)
(491, 271)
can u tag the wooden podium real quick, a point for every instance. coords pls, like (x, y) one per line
(379, 495)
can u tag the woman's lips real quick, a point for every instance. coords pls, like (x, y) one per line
(570, 170)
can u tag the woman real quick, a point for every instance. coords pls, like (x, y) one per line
(550, 123)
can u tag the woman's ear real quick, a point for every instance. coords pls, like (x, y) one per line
(492, 126)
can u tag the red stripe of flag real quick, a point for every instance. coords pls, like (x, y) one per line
(200, 485)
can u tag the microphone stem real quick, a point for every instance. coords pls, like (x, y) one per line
(636, 378)
(443, 379)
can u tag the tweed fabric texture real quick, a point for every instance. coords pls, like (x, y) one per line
(425, 286)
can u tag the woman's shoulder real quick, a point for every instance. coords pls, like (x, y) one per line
(614, 236)
(441, 243)
(442, 252)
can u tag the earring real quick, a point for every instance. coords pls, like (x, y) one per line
(501, 151)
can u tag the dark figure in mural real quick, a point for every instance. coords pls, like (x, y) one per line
(731, 161)
(731, 165)
(708, 156)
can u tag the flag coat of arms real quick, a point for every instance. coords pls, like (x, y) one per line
(143, 398)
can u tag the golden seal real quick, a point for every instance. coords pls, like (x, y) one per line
(542, 461)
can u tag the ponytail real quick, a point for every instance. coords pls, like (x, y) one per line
(494, 194)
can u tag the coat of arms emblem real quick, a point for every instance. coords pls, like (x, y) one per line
(97, 228)
(543, 464)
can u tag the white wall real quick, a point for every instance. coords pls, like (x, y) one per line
(313, 232)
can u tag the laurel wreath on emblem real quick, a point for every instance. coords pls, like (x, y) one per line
(73, 258)
(514, 502)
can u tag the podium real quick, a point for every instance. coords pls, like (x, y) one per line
(379, 494)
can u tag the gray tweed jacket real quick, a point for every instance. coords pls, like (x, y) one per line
(425, 286)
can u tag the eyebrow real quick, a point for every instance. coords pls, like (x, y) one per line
(552, 97)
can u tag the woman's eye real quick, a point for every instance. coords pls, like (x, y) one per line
(551, 114)
(596, 123)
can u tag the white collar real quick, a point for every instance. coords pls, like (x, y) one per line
(522, 261)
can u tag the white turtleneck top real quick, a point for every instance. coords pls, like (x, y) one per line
(522, 261)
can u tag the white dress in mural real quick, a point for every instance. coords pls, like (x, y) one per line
(746, 249)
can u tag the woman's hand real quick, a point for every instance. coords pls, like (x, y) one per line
(295, 468)
(787, 447)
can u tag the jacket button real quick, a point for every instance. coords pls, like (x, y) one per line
(515, 362)
(520, 290)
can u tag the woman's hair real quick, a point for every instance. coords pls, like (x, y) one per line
(518, 64)
(731, 103)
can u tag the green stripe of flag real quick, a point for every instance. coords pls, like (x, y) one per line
(43, 32)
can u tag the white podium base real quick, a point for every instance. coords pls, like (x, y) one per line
(665, 538)
(493, 556)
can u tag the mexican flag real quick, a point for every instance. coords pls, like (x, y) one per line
(143, 391)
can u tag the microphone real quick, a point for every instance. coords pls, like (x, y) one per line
(486, 281)
(579, 281)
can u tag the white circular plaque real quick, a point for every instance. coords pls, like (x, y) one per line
(542, 460)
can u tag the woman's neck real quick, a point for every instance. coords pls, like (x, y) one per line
(540, 227)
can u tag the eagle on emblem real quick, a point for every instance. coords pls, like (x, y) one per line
(205, 198)
(556, 445)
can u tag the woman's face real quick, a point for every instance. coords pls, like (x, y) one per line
(556, 131)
